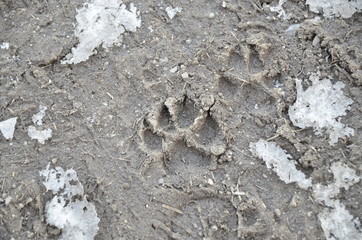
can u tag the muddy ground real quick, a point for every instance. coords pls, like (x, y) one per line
(165, 154)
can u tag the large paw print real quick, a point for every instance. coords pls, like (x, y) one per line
(182, 136)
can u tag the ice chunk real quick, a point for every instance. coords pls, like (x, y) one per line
(337, 223)
(57, 179)
(277, 159)
(77, 218)
(38, 118)
(325, 194)
(343, 175)
(279, 9)
(320, 107)
(171, 12)
(330, 8)
(41, 136)
(5, 45)
(7, 128)
(101, 22)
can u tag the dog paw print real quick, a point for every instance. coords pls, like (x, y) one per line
(207, 218)
(253, 216)
(182, 135)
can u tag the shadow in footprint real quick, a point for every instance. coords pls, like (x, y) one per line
(164, 119)
(219, 215)
(152, 140)
(255, 63)
(228, 89)
(209, 132)
(184, 159)
(186, 113)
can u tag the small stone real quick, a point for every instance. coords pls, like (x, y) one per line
(277, 212)
(8, 200)
(54, 160)
(295, 200)
(174, 69)
(211, 15)
(207, 100)
(161, 181)
(218, 149)
(29, 200)
(185, 75)
(210, 181)
(316, 41)
(114, 207)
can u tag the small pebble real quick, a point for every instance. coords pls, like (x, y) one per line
(211, 15)
(174, 69)
(277, 212)
(8, 200)
(185, 75)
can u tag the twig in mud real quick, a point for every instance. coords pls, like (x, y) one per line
(300, 72)
(260, 187)
(345, 73)
(172, 209)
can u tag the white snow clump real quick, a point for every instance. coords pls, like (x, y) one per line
(33, 133)
(7, 128)
(101, 22)
(330, 8)
(5, 45)
(77, 218)
(38, 118)
(336, 221)
(277, 159)
(279, 9)
(338, 224)
(41, 136)
(321, 107)
(171, 12)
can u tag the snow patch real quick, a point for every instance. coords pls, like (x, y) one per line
(171, 12)
(279, 9)
(76, 218)
(5, 45)
(7, 128)
(343, 175)
(321, 107)
(38, 118)
(41, 136)
(277, 159)
(337, 8)
(101, 22)
(336, 221)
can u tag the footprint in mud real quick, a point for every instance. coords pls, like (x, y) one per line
(164, 119)
(208, 218)
(245, 97)
(181, 157)
(152, 141)
(253, 217)
(247, 58)
(186, 113)
(254, 62)
(182, 136)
